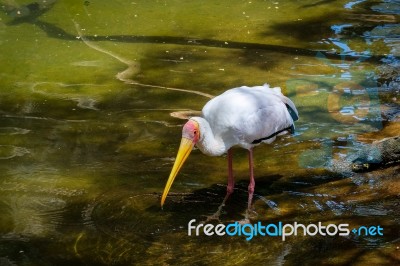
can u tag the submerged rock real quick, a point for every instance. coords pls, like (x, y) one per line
(379, 154)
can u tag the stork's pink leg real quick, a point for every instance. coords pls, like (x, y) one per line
(229, 190)
(252, 183)
(231, 180)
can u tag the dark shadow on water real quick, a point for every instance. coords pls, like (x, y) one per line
(319, 3)
(56, 32)
(320, 27)
(204, 201)
(26, 13)
(316, 27)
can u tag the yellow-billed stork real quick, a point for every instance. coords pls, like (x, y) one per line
(243, 116)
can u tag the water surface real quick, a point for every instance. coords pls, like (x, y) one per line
(90, 98)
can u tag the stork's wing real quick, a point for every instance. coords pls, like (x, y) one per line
(246, 116)
(289, 104)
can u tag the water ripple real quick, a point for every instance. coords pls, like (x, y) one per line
(11, 151)
(13, 131)
(370, 210)
(337, 207)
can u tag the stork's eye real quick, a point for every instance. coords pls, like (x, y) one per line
(196, 133)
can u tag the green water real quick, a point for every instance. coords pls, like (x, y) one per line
(90, 95)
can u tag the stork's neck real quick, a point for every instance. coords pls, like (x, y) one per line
(208, 143)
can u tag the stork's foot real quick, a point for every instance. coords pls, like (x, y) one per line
(215, 216)
(250, 214)
(244, 221)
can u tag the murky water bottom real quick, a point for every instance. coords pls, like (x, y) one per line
(89, 125)
(121, 227)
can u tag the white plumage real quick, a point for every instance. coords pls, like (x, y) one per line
(245, 117)
(241, 116)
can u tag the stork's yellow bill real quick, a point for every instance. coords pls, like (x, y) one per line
(190, 135)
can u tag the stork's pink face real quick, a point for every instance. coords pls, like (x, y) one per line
(191, 131)
(190, 136)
